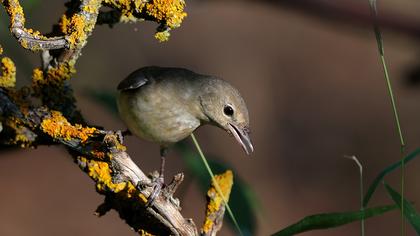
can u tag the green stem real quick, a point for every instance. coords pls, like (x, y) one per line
(216, 185)
(362, 208)
(378, 35)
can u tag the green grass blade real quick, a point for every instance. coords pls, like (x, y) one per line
(379, 41)
(409, 212)
(331, 220)
(386, 171)
(243, 200)
(359, 165)
(216, 185)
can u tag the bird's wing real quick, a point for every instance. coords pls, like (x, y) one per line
(133, 81)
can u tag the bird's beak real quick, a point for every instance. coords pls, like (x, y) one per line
(242, 136)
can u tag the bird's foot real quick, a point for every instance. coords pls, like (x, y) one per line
(157, 184)
(161, 189)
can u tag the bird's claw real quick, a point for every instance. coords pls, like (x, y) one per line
(158, 184)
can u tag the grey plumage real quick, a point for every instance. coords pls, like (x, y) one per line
(165, 105)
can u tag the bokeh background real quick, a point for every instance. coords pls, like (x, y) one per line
(310, 74)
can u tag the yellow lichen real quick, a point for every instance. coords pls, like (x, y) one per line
(74, 28)
(100, 172)
(126, 5)
(53, 76)
(37, 76)
(23, 136)
(7, 73)
(128, 17)
(36, 34)
(58, 127)
(22, 139)
(162, 36)
(89, 8)
(167, 12)
(24, 43)
(170, 11)
(15, 11)
(144, 233)
(127, 8)
(63, 72)
(78, 26)
(225, 182)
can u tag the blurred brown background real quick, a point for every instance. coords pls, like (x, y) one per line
(310, 74)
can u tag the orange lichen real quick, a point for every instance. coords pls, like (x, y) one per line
(100, 172)
(170, 11)
(98, 154)
(58, 127)
(225, 182)
(7, 73)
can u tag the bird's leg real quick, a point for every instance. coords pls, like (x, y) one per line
(159, 182)
(162, 164)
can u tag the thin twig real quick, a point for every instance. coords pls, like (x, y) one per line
(29, 38)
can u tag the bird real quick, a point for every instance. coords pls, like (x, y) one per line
(165, 105)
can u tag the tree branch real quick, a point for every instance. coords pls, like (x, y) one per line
(28, 38)
(215, 205)
(99, 153)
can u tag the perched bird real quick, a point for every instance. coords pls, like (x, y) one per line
(165, 105)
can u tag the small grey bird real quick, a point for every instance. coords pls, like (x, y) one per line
(165, 105)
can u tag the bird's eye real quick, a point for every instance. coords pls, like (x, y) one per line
(228, 110)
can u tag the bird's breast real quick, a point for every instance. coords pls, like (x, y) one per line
(155, 116)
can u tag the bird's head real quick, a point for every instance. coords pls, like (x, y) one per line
(224, 107)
